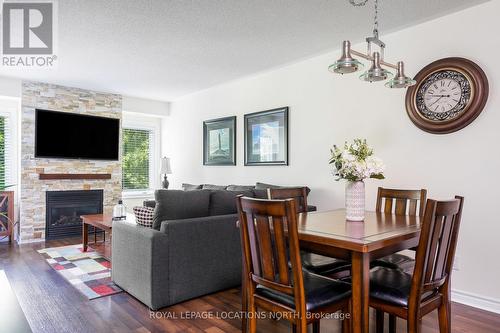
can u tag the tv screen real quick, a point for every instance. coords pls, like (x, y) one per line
(76, 136)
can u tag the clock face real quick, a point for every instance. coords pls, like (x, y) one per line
(443, 95)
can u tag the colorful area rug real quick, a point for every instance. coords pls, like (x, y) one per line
(86, 271)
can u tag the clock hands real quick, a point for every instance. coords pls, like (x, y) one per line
(440, 95)
(436, 101)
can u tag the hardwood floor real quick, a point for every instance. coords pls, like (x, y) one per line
(52, 305)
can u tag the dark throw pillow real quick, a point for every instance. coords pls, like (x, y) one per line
(213, 187)
(240, 187)
(264, 186)
(178, 204)
(224, 202)
(190, 187)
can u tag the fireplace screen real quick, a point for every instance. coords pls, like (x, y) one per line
(64, 209)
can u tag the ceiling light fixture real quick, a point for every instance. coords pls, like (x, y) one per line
(347, 64)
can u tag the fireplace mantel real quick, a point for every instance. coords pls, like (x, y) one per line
(55, 176)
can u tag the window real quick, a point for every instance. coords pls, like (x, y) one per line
(7, 142)
(136, 158)
(2, 152)
(141, 154)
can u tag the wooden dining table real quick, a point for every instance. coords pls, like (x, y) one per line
(380, 234)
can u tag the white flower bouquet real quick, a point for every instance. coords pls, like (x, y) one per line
(356, 162)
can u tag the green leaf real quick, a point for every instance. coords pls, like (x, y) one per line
(378, 176)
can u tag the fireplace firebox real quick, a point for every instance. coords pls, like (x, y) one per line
(64, 209)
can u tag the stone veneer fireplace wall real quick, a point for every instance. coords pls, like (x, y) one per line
(33, 190)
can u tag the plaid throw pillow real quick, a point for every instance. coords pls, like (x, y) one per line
(144, 216)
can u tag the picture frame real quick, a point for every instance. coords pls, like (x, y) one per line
(266, 137)
(219, 141)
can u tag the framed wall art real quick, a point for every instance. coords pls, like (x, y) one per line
(219, 141)
(266, 137)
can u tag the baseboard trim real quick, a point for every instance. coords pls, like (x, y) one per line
(27, 241)
(476, 301)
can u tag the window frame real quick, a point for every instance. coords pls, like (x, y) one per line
(153, 124)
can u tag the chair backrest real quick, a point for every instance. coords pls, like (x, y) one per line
(437, 245)
(297, 193)
(401, 202)
(266, 226)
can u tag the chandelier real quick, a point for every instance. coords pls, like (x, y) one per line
(347, 64)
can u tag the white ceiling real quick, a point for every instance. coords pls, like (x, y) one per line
(162, 49)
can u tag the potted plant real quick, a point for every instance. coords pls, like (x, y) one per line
(354, 163)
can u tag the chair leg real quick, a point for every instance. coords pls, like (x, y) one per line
(392, 323)
(379, 321)
(252, 320)
(444, 313)
(346, 325)
(316, 327)
(346, 322)
(244, 298)
(414, 324)
(300, 326)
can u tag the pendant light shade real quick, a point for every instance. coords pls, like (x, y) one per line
(376, 72)
(400, 80)
(346, 64)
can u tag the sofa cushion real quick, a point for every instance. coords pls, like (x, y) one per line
(240, 187)
(224, 202)
(190, 187)
(213, 187)
(264, 186)
(178, 204)
(149, 203)
(144, 216)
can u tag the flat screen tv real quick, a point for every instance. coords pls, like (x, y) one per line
(76, 136)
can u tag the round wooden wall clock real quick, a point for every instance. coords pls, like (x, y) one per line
(450, 93)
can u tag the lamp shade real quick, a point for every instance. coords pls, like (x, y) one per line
(165, 166)
(400, 80)
(346, 64)
(376, 72)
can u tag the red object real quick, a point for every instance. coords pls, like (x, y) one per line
(106, 264)
(58, 267)
(103, 290)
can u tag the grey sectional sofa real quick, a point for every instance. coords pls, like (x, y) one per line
(193, 248)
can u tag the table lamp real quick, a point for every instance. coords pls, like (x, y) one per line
(165, 170)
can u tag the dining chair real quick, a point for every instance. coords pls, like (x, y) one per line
(270, 241)
(311, 262)
(412, 296)
(399, 202)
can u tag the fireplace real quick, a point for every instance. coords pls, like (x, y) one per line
(64, 209)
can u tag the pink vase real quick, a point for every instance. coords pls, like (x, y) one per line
(355, 201)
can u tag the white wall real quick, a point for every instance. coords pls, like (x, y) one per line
(10, 87)
(145, 106)
(327, 109)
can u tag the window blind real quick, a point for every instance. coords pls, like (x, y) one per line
(6, 153)
(137, 149)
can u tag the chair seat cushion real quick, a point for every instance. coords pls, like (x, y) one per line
(395, 261)
(393, 286)
(390, 285)
(323, 265)
(319, 291)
